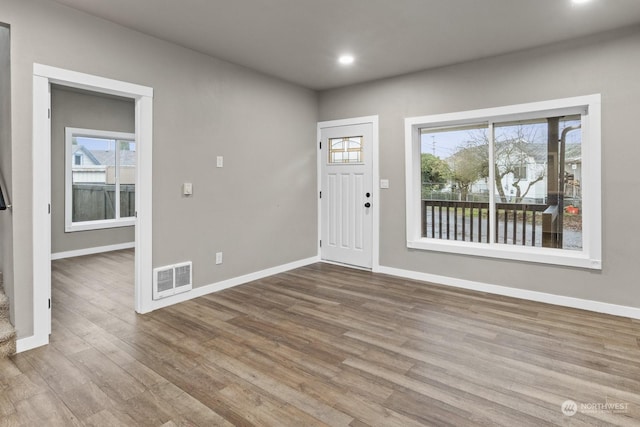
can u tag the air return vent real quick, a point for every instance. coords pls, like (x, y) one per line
(171, 279)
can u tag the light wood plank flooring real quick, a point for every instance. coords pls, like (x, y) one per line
(320, 345)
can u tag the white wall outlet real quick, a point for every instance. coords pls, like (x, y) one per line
(218, 257)
(187, 188)
(384, 183)
(219, 161)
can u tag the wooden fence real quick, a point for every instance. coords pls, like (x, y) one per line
(93, 202)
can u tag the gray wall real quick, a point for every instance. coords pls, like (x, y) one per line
(89, 111)
(607, 64)
(6, 217)
(260, 209)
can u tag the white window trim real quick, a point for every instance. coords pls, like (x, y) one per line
(69, 225)
(590, 109)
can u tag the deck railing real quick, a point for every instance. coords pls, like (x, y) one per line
(516, 223)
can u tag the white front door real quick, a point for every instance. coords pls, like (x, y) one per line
(347, 194)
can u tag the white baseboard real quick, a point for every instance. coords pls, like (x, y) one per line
(229, 283)
(596, 306)
(91, 251)
(28, 343)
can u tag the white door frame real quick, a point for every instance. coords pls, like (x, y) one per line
(43, 77)
(373, 120)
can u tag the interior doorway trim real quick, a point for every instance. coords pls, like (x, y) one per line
(43, 77)
(373, 120)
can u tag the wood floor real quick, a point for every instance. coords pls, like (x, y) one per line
(320, 345)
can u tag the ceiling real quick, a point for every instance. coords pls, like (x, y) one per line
(300, 40)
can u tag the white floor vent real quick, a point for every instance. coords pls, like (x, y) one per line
(171, 279)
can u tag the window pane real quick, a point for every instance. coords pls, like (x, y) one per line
(127, 178)
(454, 172)
(537, 183)
(93, 190)
(346, 150)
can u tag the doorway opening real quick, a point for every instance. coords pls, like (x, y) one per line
(93, 184)
(93, 180)
(43, 79)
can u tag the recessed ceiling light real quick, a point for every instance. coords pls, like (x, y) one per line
(580, 1)
(346, 59)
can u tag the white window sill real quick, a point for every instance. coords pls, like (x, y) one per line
(98, 225)
(562, 257)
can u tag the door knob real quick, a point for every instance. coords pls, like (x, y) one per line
(367, 205)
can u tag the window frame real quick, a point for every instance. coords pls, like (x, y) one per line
(589, 108)
(518, 175)
(69, 225)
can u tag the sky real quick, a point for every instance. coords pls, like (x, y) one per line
(444, 142)
(100, 143)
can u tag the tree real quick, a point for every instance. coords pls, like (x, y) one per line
(469, 164)
(514, 147)
(512, 154)
(435, 171)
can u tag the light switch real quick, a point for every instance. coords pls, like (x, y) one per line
(219, 161)
(384, 183)
(187, 188)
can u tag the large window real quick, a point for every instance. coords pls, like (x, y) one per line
(519, 182)
(100, 180)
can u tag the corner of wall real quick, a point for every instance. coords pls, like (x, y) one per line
(6, 217)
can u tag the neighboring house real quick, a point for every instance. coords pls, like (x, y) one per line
(530, 175)
(86, 167)
(536, 166)
(98, 166)
(573, 173)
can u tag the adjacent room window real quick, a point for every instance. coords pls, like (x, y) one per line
(100, 180)
(519, 182)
